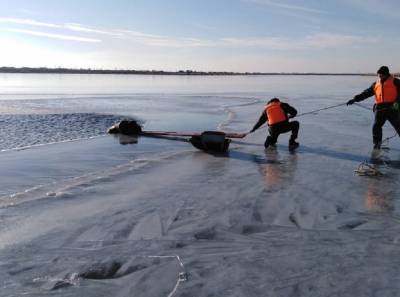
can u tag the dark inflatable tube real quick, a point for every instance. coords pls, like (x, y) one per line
(126, 127)
(211, 141)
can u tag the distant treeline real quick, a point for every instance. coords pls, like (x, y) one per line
(157, 72)
(107, 71)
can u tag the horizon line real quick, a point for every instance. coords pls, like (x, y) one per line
(66, 70)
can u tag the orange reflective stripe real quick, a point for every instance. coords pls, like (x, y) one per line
(275, 113)
(386, 92)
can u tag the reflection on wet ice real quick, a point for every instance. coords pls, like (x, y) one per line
(278, 169)
(377, 200)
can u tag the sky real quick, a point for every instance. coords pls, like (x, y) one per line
(203, 35)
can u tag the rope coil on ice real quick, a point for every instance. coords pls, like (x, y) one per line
(366, 169)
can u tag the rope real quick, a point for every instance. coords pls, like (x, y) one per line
(362, 106)
(182, 276)
(367, 108)
(386, 140)
(364, 169)
(317, 110)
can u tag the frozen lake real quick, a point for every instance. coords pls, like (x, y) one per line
(84, 213)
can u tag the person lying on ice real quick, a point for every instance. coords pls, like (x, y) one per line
(387, 92)
(277, 114)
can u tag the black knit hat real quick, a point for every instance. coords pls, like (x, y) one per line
(383, 70)
(274, 100)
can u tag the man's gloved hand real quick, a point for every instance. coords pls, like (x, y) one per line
(354, 100)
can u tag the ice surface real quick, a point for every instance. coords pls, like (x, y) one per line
(93, 217)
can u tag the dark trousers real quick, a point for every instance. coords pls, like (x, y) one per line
(277, 129)
(380, 118)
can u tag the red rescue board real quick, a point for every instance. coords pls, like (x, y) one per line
(190, 134)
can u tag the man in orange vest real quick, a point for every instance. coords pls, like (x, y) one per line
(277, 114)
(387, 92)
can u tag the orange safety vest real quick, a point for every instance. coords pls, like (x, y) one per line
(275, 113)
(386, 92)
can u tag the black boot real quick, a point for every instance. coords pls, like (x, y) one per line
(268, 142)
(293, 144)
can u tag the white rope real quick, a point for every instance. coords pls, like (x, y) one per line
(182, 275)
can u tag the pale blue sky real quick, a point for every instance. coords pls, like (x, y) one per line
(208, 35)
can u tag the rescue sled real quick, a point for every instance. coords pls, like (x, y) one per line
(209, 141)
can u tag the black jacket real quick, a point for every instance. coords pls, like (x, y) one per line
(290, 112)
(370, 92)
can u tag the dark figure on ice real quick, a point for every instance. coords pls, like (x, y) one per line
(277, 114)
(387, 96)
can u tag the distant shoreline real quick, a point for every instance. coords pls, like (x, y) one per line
(44, 70)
